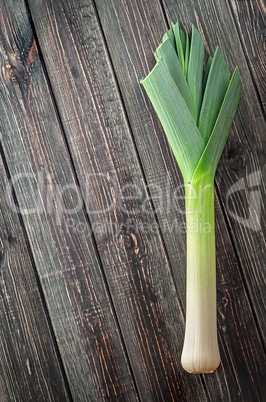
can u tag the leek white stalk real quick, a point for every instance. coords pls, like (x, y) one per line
(200, 352)
(196, 112)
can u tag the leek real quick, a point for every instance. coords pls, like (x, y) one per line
(196, 111)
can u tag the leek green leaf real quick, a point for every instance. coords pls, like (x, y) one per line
(195, 68)
(169, 34)
(178, 124)
(206, 73)
(187, 53)
(214, 148)
(179, 44)
(183, 41)
(216, 86)
(168, 55)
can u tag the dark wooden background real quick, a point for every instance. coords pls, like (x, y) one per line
(101, 317)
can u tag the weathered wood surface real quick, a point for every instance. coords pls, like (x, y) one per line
(250, 18)
(29, 366)
(134, 261)
(85, 126)
(67, 263)
(132, 31)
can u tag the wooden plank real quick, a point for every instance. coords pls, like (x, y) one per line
(133, 31)
(250, 19)
(99, 139)
(66, 259)
(29, 366)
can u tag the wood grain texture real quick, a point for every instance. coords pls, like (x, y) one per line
(132, 31)
(241, 172)
(134, 261)
(250, 18)
(29, 367)
(67, 262)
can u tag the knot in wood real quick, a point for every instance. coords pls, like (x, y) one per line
(27, 78)
(225, 302)
(12, 240)
(13, 74)
(130, 242)
(127, 241)
(238, 162)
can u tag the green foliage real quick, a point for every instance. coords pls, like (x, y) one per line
(196, 110)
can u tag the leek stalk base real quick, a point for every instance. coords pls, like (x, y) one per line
(200, 352)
